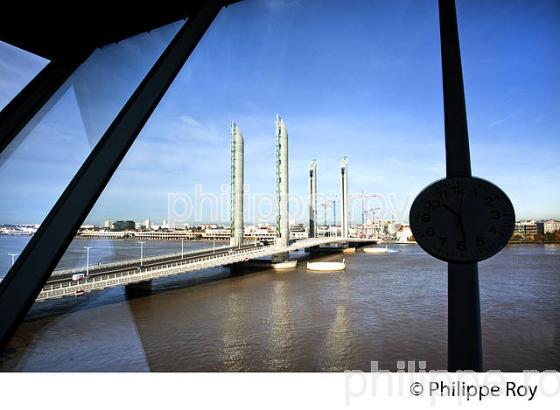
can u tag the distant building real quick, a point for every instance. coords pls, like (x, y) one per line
(529, 229)
(393, 227)
(261, 232)
(108, 224)
(298, 231)
(147, 224)
(404, 233)
(220, 234)
(519, 230)
(124, 225)
(551, 226)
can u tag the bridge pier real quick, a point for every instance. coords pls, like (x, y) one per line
(280, 257)
(139, 288)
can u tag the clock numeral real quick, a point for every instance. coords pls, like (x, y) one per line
(442, 240)
(489, 201)
(479, 241)
(475, 191)
(461, 246)
(434, 204)
(430, 232)
(495, 214)
(443, 194)
(459, 189)
(493, 229)
(425, 217)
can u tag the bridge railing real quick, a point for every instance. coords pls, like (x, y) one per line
(172, 268)
(124, 262)
(137, 275)
(307, 243)
(302, 243)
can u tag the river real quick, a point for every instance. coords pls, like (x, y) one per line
(383, 308)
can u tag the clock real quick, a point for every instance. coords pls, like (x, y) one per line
(462, 219)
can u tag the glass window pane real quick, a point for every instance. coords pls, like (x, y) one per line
(17, 68)
(37, 166)
(362, 82)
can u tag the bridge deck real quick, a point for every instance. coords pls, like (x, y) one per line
(127, 272)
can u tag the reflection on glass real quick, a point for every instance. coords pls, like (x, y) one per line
(37, 166)
(17, 68)
(362, 81)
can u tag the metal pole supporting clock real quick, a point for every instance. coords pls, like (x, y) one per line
(460, 219)
(464, 344)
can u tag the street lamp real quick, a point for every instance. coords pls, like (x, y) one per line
(141, 252)
(326, 205)
(182, 248)
(13, 255)
(87, 248)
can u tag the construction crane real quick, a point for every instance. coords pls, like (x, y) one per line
(367, 212)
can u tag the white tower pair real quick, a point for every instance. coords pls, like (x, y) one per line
(237, 164)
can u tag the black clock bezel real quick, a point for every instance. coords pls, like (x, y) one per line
(463, 260)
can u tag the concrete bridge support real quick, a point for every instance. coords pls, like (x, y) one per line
(139, 288)
(280, 257)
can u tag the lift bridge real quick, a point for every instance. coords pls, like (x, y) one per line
(139, 273)
(132, 272)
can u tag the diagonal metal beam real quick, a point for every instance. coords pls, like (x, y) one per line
(26, 278)
(464, 343)
(26, 105)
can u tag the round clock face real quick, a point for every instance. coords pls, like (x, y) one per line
(462, 220)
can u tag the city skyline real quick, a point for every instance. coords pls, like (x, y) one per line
(384, 95)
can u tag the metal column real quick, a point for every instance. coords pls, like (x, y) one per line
(464, 333)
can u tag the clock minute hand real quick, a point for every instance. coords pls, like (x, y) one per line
(459, 219)
(462, 227)
(454, 212)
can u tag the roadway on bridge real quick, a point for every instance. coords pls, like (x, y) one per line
(128, 272)
(99, 271)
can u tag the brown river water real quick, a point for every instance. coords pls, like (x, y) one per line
(384, 308)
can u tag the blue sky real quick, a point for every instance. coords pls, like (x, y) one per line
(361, 81)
